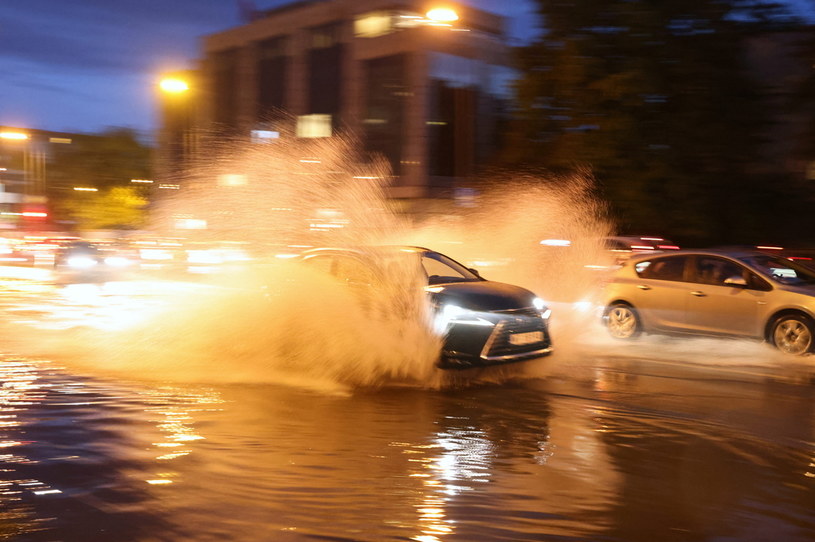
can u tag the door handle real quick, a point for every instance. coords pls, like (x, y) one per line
(698, 293)
(643, 287)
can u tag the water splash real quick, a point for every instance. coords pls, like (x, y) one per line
(277, 321)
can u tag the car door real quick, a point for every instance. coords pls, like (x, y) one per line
(716, 307)
(660, 292)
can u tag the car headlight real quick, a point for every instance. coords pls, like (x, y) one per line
(453, 314)
(541, 307)
(117, 261)
(81, 262)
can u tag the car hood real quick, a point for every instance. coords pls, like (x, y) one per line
(483, 295)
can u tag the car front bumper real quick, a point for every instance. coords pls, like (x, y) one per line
(514, 337)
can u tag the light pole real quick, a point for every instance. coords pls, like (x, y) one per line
(176, 139)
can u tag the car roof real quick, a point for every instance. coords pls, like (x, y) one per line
(734, 253)
(361, 251)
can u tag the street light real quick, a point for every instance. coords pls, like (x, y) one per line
(17, 136)
(178, 94)
(442, 15)
(174, 85)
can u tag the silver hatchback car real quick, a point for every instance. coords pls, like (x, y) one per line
(714, 292)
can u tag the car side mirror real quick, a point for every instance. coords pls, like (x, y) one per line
(474, 272)
(735, 281)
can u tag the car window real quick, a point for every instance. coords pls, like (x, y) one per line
(441, 269)
(781, 270)
(671, 268)
(714, 271)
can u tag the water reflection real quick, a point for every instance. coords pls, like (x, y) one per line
(455, 462)
(615, 456)
(73, 452)
(20, 389)
(174, 410)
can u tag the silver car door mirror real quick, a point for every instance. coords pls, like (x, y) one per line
(735, 281)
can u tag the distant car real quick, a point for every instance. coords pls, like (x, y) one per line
(623, 246)
(83, 261)
(483, 322)
(733, 293)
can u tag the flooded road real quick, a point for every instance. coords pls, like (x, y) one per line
(602, 441)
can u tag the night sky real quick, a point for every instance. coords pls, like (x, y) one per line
(86, 65)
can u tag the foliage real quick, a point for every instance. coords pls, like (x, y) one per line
(118, 207)
(661, 101)
(102, 162)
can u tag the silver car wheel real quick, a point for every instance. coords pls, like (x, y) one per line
(622, 322)
(792, 336)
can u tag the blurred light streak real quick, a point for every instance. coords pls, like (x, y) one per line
(446, 15)
(175, 408)
(15, 136)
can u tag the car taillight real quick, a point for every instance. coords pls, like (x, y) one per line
(667, 247)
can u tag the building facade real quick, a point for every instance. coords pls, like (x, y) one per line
(426, 92)
(24, 158)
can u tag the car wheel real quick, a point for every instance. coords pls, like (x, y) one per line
(793, 334)
(623, 322)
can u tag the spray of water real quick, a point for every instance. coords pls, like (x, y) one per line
(281, 321)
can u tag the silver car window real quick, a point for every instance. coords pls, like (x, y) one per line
(781, 270)
(669, 268)
(712, 270)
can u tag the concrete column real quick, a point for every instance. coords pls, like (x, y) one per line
(414, 176)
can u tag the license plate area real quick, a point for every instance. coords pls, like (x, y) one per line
(529, 337)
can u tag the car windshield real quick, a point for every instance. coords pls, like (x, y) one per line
(781, 270)
(440, 269)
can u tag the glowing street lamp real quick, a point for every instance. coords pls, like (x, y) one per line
(18, 136)
(179, 96)
(442, 15)
(174, 85)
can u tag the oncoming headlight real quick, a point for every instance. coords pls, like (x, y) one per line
(81, 262)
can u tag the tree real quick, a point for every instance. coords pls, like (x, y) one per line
(102, 162)
(659, 100)
(119, 207)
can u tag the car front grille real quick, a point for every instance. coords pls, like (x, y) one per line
(468, 346)
(498, 347)
(530, 312)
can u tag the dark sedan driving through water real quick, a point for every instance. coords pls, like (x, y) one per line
(732, 293)
(483, 322)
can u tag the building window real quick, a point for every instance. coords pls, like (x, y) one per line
(325, 36)
(384, 107)
(325, 71)
(272, 69)
(373, 24)
(225, 85)
(467, 101)
(314, 126)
